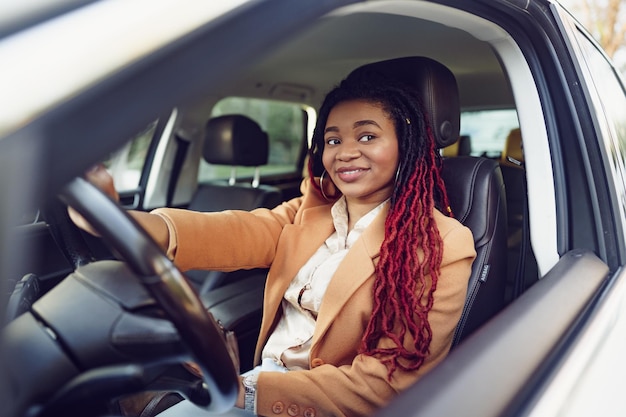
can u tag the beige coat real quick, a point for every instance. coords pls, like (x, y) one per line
(340, 381)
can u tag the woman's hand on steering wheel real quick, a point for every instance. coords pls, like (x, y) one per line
(100, 178)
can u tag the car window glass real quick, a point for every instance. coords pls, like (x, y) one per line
(610, 103)
(283, 122)
(126, 164)
(488, 130)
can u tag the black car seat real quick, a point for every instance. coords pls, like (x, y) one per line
(234, 140)
(474, 184)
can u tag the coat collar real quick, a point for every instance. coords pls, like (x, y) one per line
(317, 225)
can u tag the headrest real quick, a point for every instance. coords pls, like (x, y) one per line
(513, 153)
(462, 147)
(436, 87)
(235, 140)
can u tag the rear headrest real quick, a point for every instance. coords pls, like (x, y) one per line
(462, 147)
(513, 153)
(235, 140)
(436, 87)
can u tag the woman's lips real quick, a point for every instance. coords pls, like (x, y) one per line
(350, 174)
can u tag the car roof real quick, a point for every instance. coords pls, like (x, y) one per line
(313, 61)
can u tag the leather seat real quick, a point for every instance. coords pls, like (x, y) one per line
(474, 185)
(234, 140)
(477, 197)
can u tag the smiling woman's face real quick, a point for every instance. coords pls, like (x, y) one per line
(361, 151)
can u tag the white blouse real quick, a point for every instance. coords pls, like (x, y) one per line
(290, 343)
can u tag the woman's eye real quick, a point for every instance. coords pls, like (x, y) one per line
(332, 141)
(366, 138)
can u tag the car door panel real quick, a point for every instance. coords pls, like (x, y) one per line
(488, 375)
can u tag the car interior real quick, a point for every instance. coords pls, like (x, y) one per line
(487, 189)
(204, 155)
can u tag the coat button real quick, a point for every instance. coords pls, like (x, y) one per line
(317, 362)
(278, 407)
(309, 412)
(293, 410)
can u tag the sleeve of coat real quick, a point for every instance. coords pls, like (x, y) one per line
(226, 240)
(359, 388)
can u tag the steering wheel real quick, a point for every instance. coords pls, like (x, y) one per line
(199, 331)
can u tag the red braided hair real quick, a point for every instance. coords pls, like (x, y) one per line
(401, 306)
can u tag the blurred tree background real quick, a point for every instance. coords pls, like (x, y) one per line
(606, 21)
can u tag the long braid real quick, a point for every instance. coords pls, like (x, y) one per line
(407, 271)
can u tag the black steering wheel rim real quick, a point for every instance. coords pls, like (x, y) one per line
(165, 282)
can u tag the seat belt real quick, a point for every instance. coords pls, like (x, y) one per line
(182, 145)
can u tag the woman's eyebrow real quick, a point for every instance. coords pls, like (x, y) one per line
(365, 122)
(356, 124)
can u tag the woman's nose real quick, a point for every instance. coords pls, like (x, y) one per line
(348, 151)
